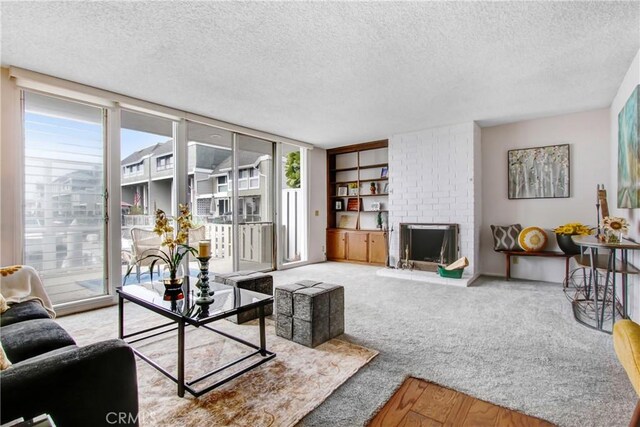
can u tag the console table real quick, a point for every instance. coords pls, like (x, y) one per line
(546, 254)
(596, 301)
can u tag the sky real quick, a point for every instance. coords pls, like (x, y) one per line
(133, 140)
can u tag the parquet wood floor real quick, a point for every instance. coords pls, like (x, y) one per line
(419, 403)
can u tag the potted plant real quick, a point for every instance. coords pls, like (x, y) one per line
(564, 233)
(614, 227)
(173, 248)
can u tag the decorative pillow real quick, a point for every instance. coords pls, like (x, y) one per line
(505, 237)
(532, 239)
(4, 362)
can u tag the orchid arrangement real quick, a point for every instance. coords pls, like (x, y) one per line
(573, 229)
(174, 242)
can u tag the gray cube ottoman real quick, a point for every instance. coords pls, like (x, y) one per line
(309, 312)
(252, 281)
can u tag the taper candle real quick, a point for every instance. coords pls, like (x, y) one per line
(204, 248)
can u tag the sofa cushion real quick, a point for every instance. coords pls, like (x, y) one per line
(44, 356)
(23, 340)
(22, 311)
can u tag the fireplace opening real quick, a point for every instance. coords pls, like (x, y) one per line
(424, 246)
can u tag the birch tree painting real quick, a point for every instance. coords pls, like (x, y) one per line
(541, 172)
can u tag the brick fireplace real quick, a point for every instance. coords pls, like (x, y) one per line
(434, 176)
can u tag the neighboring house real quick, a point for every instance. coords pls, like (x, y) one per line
(253, 200)
(147, 176)
(147, 181)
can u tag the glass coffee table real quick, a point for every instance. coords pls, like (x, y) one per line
(184, 312)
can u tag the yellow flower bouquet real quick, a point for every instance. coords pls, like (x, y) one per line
(564, 233)
(573, 229)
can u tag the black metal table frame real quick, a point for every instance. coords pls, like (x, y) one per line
(609, 278)
(182, 322)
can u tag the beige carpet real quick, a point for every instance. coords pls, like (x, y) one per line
(278, 393)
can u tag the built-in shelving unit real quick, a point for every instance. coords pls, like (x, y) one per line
(358, 202)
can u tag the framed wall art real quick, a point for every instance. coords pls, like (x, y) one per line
(539, 172)
(629, 152)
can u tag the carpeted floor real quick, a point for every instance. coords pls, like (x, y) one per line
(513, 343)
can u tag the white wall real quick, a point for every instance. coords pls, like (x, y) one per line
(317, 160)
(588, 136)
(432, 174)
(630, 81)
(10, 171)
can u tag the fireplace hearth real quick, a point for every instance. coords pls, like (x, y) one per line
(424, 246)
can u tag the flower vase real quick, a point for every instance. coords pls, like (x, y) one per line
(566, 244)
(172, 280)
(613, 236)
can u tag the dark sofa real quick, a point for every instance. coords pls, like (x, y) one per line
(93, 385)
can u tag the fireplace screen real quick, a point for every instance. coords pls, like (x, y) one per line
(424, 246)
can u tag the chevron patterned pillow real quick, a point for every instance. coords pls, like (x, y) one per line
(505, 237)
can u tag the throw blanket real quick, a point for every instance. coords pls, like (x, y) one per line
(21, 283)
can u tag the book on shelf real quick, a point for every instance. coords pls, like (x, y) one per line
(347, 221)
(353, 204)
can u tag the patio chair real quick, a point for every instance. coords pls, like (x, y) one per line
(196, 234)
(143, 243)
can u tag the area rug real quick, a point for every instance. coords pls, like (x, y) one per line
(423, 403)
(278, 393)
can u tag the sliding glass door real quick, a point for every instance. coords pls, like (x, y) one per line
(147, 146)
(293, 205)
(64, 196)
(255, 203)
(210, 191)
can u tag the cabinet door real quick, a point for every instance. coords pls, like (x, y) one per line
(378, 248)
(336, 244)
(358, 247)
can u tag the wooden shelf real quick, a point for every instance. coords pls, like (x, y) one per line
(364, 243)
(355, 168)
(379, 165)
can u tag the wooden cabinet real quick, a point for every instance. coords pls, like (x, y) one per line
(336, 245)
(378, 248)
(358, 247)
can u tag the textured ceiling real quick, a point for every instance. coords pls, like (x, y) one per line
(335, 73)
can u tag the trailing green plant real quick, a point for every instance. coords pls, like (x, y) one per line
(292, 169)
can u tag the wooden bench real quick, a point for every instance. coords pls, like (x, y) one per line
(547, 254)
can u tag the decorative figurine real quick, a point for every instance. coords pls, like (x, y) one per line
(373, 188)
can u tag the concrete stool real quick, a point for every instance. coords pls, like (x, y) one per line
(251, 281)
(309, 312)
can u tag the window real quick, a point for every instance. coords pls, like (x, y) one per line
(203, 206)
(223, 185)
(64, 189)
(164, 162)
(254, 180)
(133, 169)
(243, 179)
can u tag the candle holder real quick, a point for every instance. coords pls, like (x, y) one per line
(203, 283)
